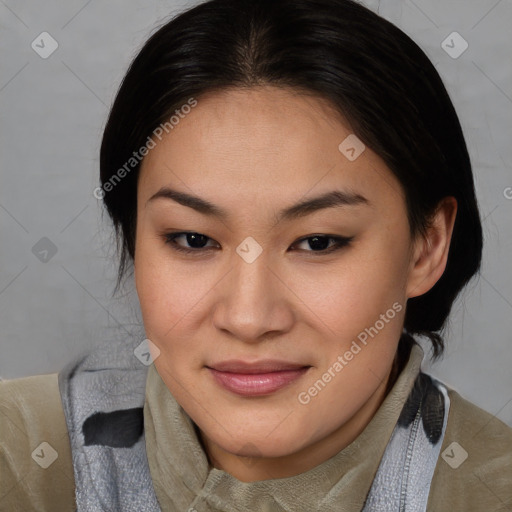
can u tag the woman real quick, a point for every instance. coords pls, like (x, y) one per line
(292, 185)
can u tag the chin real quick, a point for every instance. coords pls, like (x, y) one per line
(258, 442)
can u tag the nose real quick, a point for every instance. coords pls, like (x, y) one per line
(253, 302)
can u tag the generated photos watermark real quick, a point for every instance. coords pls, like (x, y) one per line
(136, 159)
(343, 360)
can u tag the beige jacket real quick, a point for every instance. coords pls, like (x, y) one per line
(35, 476)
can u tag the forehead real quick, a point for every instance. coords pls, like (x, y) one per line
(263, 142)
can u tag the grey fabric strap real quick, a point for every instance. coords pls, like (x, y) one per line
(107, 478)
(402, 482)
(112, 472)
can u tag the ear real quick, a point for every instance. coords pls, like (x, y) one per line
(430, 252)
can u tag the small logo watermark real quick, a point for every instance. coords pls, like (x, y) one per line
(45, 455)
(146, 352)
(44, 250)
(351, 147)
(454, 45)
(44, 45)
(249, 250)
(454, 455)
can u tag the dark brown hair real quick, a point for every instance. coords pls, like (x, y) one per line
(368, 69)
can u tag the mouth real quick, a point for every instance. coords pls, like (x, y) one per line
(258, 378)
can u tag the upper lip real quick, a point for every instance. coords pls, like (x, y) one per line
(264, 366)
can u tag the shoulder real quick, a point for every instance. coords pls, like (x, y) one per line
(474, 470)
(35, 453)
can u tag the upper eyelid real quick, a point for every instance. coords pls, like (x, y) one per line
(171, 237)
(336, 238)
(324, 235)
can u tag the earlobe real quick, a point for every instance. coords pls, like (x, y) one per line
(431, 251)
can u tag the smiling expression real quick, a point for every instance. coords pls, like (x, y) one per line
(262, 252)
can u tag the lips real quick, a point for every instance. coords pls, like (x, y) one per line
(266, 366)
(256, 378)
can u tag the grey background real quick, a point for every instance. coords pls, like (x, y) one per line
(53, 111)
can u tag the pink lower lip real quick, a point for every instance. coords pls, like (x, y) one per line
(256, 384)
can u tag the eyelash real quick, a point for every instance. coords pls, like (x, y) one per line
(340, 242)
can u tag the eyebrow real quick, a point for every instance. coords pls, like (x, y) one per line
(332, 199)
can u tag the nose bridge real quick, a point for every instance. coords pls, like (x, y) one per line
(250, 279)
(250, 299)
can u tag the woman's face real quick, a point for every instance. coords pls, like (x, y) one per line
(273, 341)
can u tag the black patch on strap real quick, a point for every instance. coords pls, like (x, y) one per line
(119, 429)
(432, 407)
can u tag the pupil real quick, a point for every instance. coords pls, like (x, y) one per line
(319, 242)
(194, 237)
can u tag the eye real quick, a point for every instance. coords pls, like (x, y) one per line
(320, 243)
(197, 241)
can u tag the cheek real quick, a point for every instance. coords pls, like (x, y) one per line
(350, 295)
(166, 305)
(171, 295)
(162, 291)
